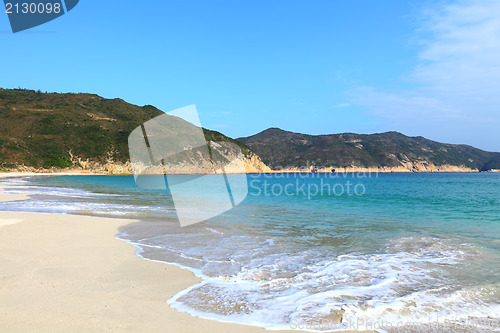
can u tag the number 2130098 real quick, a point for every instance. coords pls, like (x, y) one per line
(32, 8)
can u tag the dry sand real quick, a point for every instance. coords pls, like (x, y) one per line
(67, 273)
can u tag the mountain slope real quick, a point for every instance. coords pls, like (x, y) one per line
(47, 130)
(282, 149)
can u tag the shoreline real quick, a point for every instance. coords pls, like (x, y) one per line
(14, 174)
(71, 272)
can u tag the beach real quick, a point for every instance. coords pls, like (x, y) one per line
(65, 272)
(97, 253)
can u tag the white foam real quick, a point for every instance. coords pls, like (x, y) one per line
(56, 191)
(390, 287)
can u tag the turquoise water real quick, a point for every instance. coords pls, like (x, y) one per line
(412, 248)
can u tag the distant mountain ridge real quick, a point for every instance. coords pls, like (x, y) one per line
(281, 149)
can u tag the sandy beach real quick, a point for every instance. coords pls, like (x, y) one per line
(69, 273)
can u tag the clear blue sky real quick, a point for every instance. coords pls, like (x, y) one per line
(315, 67)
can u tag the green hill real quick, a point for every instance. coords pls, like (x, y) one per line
(43, 130)
(282, 149)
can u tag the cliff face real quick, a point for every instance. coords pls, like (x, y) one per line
(241, 164)
(386, 152)
(401, 169)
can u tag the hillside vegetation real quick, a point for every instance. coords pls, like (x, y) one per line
(44, 130)
(281, 149)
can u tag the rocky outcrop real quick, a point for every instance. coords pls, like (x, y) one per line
(254, 164)
(239, 163)
(251, 163)
(410, 167)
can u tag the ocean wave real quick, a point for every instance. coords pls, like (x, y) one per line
(275, 291)
(56, 191)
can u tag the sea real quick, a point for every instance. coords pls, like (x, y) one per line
(402, 252)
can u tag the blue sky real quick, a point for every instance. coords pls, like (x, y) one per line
(319, 67)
